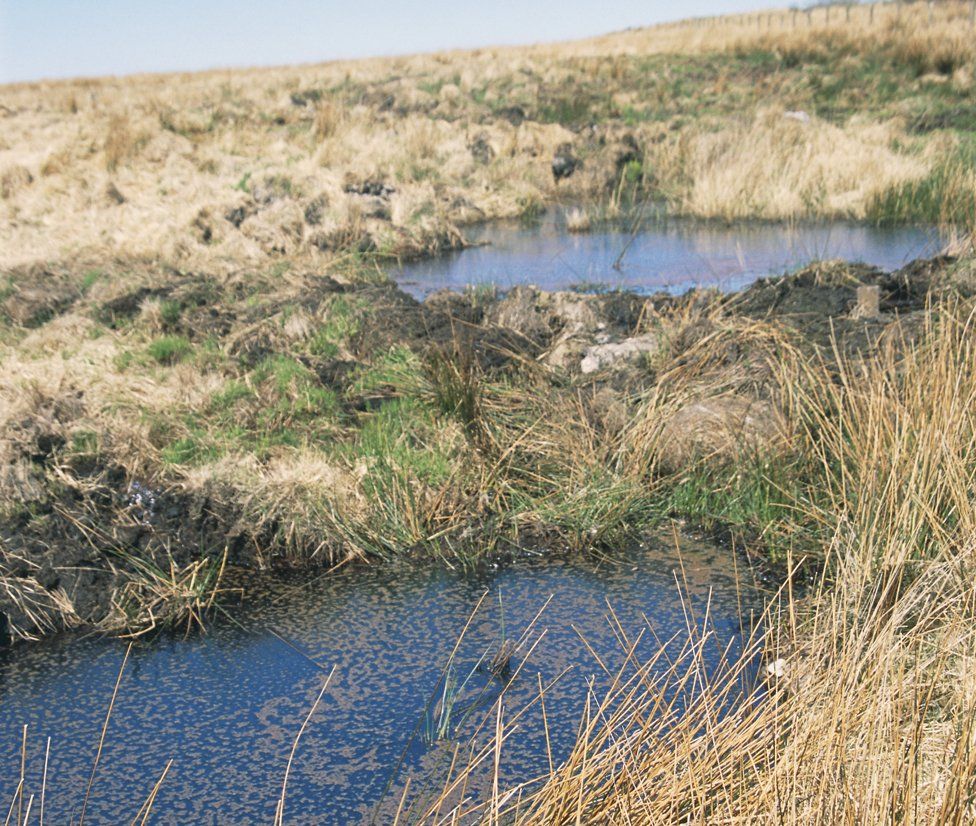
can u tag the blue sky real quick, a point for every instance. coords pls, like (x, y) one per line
(67, 38)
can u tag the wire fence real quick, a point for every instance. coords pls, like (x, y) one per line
(830, 14)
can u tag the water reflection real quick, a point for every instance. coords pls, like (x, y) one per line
(667, 254)
(225, 706)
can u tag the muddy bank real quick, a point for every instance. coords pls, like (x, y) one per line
(159, 425)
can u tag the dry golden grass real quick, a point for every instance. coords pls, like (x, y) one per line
(176, 154)
(926, 31)
(780, 168)
(868, 714)
(699, 390)
(185, 151)
(865, 703)
(578, 220)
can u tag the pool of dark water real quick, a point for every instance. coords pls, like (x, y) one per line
(670, 254)
(225, 706)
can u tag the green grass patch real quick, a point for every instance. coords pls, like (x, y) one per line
(757, 499)
(567, 110)
(190, 450)
(169, 349)
(409, 457)
(7, 288)
(84, 443)
(946, 196)
(342, 321)
(124, 360)
(404, 437)
(89, 279)
(280, 403)
(283, 402)
(169, 312)
(399, 369)
(227, 399)
(431, 87)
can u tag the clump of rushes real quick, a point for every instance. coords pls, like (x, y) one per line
(414, 477)
(455, 383)
(946, 196)
(169, 350)
(189, 450)
(578, 220)
(156, 596)
(843, 682)
(169, 312)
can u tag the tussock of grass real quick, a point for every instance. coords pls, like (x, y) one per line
(169, 349)
(945, 196)
(306, 425)
(866, 702)
(778, 168)
(260, 164)
(154, 595)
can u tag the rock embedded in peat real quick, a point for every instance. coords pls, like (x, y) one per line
(719, 428)
(564, 162)
(603, 356)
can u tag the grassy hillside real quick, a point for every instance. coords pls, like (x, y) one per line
(202, 364)
(256, 165)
